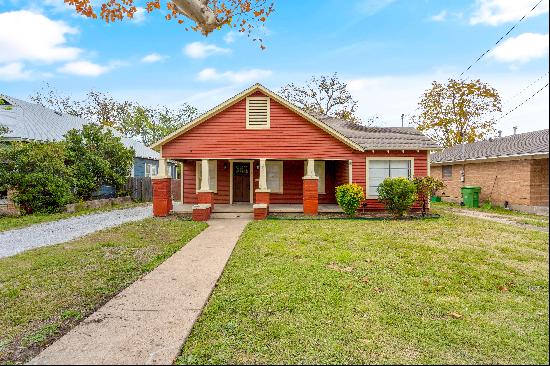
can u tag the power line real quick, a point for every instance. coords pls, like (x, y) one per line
(526, 87)
(500, 39)
(522, 103)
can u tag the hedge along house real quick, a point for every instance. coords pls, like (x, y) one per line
(260, 150)
(512, 171)
(33, 122)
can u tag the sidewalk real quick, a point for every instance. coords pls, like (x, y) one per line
(148, 322)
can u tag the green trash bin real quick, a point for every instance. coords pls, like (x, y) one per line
(470, 196)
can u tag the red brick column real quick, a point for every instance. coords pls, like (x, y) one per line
(162, 197)
(311, 195)
(206, 198)
(201, 212)
(260, 211)
(262, 197)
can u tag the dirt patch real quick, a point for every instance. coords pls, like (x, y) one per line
(496, 218)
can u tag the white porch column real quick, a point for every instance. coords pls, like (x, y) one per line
(262, 186)
(310, 169)
(350, 174)
(162, 170)
(181, 183)
(205, 176)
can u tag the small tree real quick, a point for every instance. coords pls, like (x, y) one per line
(96, 157)
(37, 173)
(349, 197)
(458, 111)
(397, 194)
(426, 188)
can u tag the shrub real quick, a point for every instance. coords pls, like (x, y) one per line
(349, 197)
(397, 194)
(96, 157)
(426, 188)
(37, 173)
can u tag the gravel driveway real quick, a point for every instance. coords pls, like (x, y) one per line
(55, 232)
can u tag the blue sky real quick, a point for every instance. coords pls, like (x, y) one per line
(388, 51)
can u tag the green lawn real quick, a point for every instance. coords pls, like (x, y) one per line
(448, 290)
(46, 291)
(14, 222)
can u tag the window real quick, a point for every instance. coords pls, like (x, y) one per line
(274, 170)
(150, 170)
(212, 174)
(447, 171)
(257, 112)
(319, 167)
(378, 170)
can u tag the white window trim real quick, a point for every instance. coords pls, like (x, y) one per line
(267, 126)
(411, 159)
(281, 180)
(322, 163)
(197, 178)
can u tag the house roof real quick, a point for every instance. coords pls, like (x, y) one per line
(523, 144)
(33, 122)
(358, 137)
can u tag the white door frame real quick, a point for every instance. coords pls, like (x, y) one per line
(231, 178)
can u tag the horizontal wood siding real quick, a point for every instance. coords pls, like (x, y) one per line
(225, 136)
(189, 182)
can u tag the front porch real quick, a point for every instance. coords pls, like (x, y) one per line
(187, 208)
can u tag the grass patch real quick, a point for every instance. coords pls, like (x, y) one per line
(15, 222)
(46, 291)
(497, 210)
(452, 290)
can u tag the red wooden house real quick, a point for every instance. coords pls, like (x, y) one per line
(260, 149)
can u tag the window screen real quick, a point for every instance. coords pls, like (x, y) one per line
(382, 169)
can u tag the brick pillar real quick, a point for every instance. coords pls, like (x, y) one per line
(260, 211)
(162, 197)
(206, 198)
(262, 197)
(310, 195)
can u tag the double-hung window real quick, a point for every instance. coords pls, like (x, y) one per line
(378, 170)
(212, 175)
(150, 170)
(274, 170)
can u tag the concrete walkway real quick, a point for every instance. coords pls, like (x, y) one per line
(148, 322)
(60, 231)
(509, 220)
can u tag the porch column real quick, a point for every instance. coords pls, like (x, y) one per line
(162, 191)
(262, 193)
(205, 195)
(350, 174)
(310, 185)
(182, 167)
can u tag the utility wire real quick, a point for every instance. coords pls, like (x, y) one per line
(522, 103)
(500, 39)
(527, 87)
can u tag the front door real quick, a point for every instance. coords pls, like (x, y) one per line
(241, 182)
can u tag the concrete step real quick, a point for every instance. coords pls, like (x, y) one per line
(232, 215)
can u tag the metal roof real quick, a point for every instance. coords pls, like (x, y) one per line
(33, 122)
(529, 143)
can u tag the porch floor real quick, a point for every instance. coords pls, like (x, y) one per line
(247, 208)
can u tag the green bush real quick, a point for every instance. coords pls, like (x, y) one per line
(349, 197)
(37, 173)
(397, 194)
(96, 157)
(426, 187)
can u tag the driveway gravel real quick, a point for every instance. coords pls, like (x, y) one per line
(55, 232)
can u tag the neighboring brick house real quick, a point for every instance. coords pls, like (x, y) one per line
(259, 149)
(512, 171)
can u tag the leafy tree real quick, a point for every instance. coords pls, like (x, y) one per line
(37, 173)
(3, 130)
(349, 197)
(397, 194)
(426, 187)
(96, 157)
(458, 111)
(323, 95)
(207, 15)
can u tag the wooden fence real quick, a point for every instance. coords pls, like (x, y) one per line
(141, 188)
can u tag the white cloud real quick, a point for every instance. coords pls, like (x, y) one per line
(522, 49)
(14, 71)
(139, 15)
(495, 12)
(231, 36)
(243, 76)
(84, 68)
(25, 35)
(440, 17)
(152, 57)
(203, 50)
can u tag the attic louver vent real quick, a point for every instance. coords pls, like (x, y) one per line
(257, 112)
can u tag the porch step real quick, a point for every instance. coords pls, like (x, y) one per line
(232, 215)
